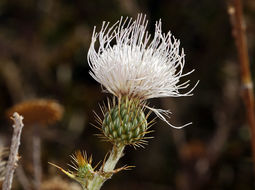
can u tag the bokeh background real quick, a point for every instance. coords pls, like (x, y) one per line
(43, 54)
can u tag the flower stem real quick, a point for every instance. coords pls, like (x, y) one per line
(114, 157)
(107, 168)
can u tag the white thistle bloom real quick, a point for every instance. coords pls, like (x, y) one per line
(128, 62)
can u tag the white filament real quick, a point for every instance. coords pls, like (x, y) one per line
(129, 62)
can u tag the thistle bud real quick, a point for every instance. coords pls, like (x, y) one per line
(84, 168)
(125, 123)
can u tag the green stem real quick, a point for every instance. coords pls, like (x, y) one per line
(108, 167)
(114, 157)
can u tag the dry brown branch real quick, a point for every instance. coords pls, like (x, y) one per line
(13, 156)
(239, 33)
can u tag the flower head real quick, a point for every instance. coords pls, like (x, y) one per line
(129, 62)
(38, 111)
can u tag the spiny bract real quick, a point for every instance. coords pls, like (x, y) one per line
(125, 123)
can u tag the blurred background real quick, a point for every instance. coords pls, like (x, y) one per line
(43, 54)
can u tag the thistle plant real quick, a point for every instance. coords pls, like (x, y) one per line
(133, 67)
(37, 113)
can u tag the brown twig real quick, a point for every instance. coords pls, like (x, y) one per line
(13, 156)
(239, 32)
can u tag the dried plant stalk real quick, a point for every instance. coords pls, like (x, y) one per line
(239, 32)
(13, 156)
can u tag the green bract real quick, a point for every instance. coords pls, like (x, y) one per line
(125, 123)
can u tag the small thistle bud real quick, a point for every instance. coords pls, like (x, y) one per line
(82, 165)
(84, 168)
(125, 123)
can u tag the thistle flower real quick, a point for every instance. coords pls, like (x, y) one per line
(130, 63)
(38, 111)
